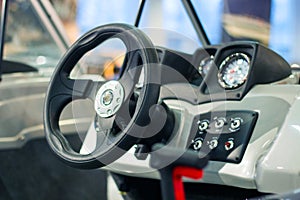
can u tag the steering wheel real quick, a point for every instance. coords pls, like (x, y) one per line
(112, 99)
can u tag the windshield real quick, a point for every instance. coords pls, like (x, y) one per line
(94, 12)
(167, 24)
(272, 23)
(28, 40)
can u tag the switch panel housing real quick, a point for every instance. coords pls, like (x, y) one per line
(223, 135)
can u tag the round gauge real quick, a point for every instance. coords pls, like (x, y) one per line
(234, 70)
(205, 65)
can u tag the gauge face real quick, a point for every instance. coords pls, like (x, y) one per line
(205, 65)
(234, 70)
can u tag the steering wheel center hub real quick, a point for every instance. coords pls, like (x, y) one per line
(109, 99)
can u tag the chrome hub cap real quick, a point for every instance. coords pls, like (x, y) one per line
(109, 99)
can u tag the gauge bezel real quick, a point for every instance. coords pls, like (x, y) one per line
(223, 66)
(204, 62)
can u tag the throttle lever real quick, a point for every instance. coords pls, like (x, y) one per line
(186, 163)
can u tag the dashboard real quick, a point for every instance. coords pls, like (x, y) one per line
(222, 100)
(223, 73)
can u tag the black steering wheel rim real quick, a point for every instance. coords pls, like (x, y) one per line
(61, 91)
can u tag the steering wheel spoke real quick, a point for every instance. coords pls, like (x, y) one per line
(132, 73)
(79, 88)
(128, 83)
(105, 124)
(91, 90)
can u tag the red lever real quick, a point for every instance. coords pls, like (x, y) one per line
(178, 173)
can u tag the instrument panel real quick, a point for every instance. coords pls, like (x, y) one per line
(227, 72)
(224, 136)
(230, 71)
(219, 73)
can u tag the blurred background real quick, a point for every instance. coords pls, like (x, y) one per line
(273, 22)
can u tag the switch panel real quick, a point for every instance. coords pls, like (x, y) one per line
(223, 135)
